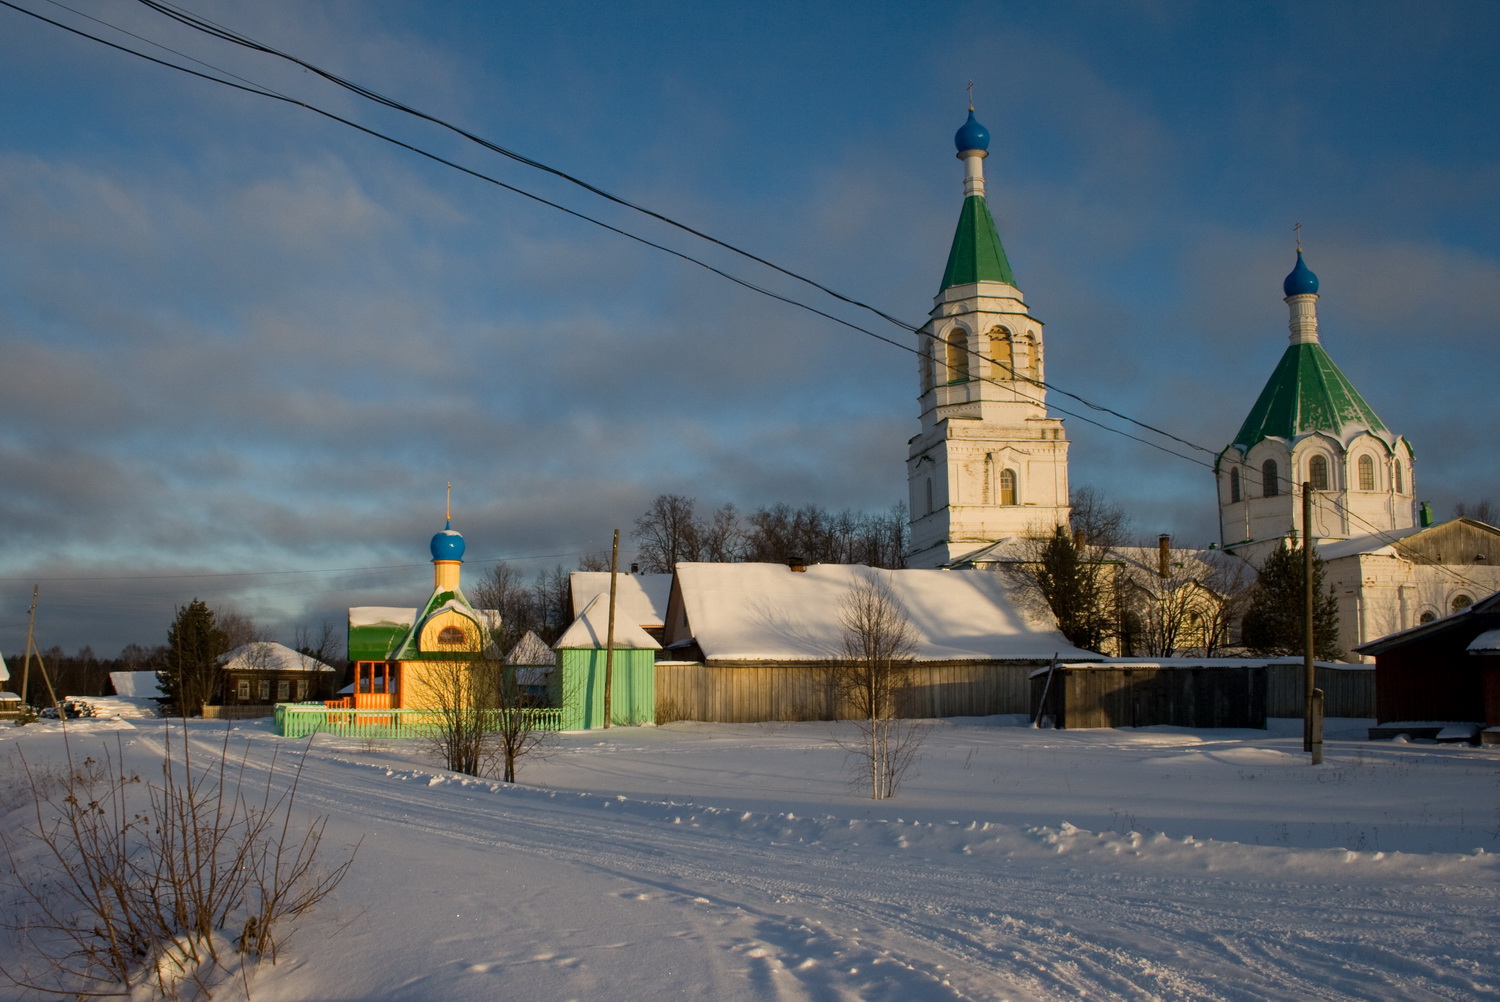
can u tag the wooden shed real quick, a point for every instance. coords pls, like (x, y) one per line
(1445, 670)
(1145, 693)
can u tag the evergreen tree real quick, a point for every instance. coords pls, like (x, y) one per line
(190, 676)
(1274, 620)
(1076, 586)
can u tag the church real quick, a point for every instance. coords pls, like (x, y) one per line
(989, 466)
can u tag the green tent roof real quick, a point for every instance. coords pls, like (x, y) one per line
(976, 255)
(1307, 393)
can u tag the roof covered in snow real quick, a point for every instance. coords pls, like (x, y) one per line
(4, 672)
(640, 598)
(267, 655)
(592, 626)
(1487, 642)
(768, 612)
(532, 651)
(137, 684)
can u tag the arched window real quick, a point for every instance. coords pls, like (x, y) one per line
(958, 356)
(1234, 484)
(1461, 602)
(1001, 359)
(1008, 487)
(1367, 473)
(1427, 616)
(1317, 472)
(1270, 479)
(1399, 479)
(450, 635)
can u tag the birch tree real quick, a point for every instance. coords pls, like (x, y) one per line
(875, 667)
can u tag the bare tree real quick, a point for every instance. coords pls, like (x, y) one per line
(1229, 579)
(723, 536)
(518, 725)
(875, 666)
(1483, 510)
(1165, 606)
(669, 531)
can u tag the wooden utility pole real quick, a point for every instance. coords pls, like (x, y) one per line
(1312, 711)
(609, 640)
(30, 633)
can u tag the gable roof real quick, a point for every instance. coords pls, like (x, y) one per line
(408, 648)
(1479, 617)
(592, 626)
(768, 612)
(640, 598)
(1308, 393)
(138, 684)
(267, 655)
(4, 672)
(531, 650)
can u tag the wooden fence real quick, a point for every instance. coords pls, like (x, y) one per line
(750, 693)
(1348, 690)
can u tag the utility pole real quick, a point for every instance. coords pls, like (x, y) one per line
(30, 632)
(1312, 712)
(609, 640)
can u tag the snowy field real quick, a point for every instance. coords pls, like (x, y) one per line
(735, 862)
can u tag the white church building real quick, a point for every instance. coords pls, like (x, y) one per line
(989, 464)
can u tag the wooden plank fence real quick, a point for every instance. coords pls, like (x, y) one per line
(1347, 691)
(750, 693)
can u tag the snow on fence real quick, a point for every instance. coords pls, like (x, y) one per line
(299, 720)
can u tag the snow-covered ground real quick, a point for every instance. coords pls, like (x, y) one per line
(735, 862)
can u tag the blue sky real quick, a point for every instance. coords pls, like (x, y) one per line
(244, 347)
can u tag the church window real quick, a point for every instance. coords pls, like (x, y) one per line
(1427, 617)
(1367, 473)
(1234, 485)
(1007, 487)
(1001, 357)
(1317, 473)
(1270, 478)
(1400, 480)
(450, 635)
(958, 356)
(1461, 602)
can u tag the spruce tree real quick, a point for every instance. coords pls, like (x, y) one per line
(1072, 580)
(190, 677)
(1273, 623)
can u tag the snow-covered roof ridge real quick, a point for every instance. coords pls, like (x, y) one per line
(592, 626)
(641, 598)
(768, 612)
(137, 684)
(531, 650)
(267, 655)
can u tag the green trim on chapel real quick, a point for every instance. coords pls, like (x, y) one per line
(1307, 393)
(408, 648)
(976, 255)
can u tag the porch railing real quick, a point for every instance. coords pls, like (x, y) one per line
(298, 720)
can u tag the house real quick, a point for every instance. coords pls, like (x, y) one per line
(405, 658)
(639, 598)
(263, 672)
(756, 641)
(1446, 670)
(533, 662)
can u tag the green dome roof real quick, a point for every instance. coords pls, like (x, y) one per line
(1307, 393)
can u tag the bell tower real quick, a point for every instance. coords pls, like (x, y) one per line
(988, 462)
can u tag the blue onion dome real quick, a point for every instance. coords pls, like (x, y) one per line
(448, 544)
(1301, 281)
(971, 135)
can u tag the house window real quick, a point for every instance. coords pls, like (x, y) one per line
(1317, 473)
(450, 635)
(1234, 485)
(1400, 480)
(243, 690)
(1007, 487)
(1270, 479)
(283, 691)
(958, 356)
(301, 689)
(1367, 473)
(265, 689)
(1461, 602)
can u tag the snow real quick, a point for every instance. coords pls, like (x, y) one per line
(736, 862)
(768, 612)
(381, 615)
(592, 626)
(267, 655)
(639, 598)
(138, 684)
(1487, 642)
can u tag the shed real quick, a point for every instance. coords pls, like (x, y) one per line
(1445, 670)
(1129, 693)
(578, 683)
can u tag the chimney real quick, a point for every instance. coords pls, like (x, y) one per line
(1164, 555)
(1078, 538)
(797, 564)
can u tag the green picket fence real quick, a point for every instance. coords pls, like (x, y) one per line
(299, 720)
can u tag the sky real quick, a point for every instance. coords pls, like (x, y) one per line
(245, 347)
(746, 862)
